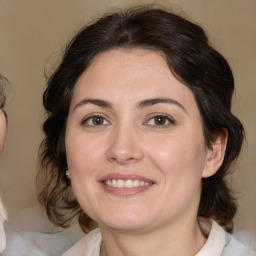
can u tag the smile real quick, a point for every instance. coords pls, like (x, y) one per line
(126, 185)
(119, 183)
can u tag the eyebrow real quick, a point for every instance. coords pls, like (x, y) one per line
(97, 102)
(142, 104)
(164, 100)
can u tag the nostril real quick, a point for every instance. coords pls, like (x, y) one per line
(123, 148)
(124, 157)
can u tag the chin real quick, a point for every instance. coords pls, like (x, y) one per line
(126, 222)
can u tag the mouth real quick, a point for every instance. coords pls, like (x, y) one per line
(118, 183)
(125, 185)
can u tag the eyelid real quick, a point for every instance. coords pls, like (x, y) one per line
(88, 117)
(154, 115)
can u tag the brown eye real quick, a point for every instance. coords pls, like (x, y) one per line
(160, 120)
(95, 121)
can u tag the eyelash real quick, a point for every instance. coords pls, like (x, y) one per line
(87, 119)
(153, 117)
(170, 120)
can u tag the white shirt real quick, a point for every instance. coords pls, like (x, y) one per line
(27, 243)
(219, 243)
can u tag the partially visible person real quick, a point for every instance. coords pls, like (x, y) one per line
(3, 126)
(24, 243)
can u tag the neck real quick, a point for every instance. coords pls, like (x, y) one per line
(182, 239)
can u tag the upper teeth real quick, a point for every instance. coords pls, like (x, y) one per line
(126, 183)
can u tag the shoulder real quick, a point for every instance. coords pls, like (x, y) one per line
(16, 245)
(235, 247)
(36, 243)
(222, 243)
(89, 245)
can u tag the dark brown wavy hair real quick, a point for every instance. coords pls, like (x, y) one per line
(190, 58)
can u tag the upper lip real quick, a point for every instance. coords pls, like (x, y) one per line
(119, 176)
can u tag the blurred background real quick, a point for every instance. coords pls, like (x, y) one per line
(33, 34)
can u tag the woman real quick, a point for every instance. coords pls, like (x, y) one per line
(3, 125)
(139, 139)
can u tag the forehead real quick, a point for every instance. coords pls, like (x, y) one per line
(132, 62)
(130, 73)
(125, 63)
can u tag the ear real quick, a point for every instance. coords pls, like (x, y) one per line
(215, 154)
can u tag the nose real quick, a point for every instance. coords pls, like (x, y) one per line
(125, 146)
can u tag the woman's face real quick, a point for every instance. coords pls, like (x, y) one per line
(134, 142)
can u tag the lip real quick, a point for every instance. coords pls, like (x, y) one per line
(125, 192)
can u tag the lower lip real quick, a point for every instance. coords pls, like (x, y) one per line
(125, 192)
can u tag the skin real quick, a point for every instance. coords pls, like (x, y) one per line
(3, 127)
(3, 130)
(128, 140)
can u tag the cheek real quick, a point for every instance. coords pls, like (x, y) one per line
(181, 163)
(179, 155)
(83, 156)
(84, 159)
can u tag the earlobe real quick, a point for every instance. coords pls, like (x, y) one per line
(215, 154)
